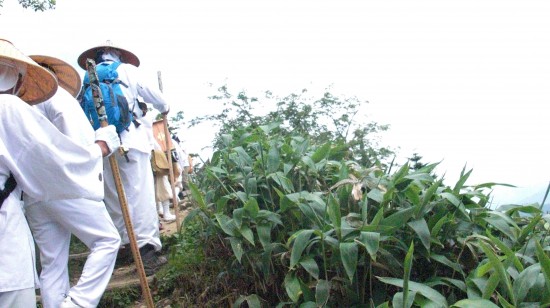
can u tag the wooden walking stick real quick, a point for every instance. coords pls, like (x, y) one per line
(102, 115)
(170, 167)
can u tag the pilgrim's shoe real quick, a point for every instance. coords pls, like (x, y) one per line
(124, 256)
(152, 261)
(160, 209)
(167, 215)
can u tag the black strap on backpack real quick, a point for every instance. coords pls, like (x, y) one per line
(9, 186)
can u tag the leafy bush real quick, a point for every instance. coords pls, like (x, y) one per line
(308, 225)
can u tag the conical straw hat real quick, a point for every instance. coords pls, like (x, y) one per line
(126, 56)
(67, 76)
(38, 83)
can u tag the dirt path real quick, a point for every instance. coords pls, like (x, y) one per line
(127, 276)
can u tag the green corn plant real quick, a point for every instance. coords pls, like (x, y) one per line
(321, 229)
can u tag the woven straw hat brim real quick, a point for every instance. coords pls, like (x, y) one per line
(126, 56)
(38, 84)
(67, 76)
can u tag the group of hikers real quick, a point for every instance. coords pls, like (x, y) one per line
(57, 181)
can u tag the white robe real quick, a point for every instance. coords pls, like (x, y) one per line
(136, 173)
(138, 138)
(47, 165)
(88, 220)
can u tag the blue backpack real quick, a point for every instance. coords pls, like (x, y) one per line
(116, 105)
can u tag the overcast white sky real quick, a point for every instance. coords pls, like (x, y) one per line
(463, 82)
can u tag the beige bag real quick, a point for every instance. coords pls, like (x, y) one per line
(159, 162)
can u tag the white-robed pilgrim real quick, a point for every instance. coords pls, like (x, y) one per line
(46, 164)
(135, 170)
(87, 219)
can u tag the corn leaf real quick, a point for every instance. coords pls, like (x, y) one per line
(378, 217)
(501, 225)
(401, 302)
(371, 241)
(474, 303)
(349, 254)
(309, 264)
(322, 292)
(459, 284)
(499, 269)
(273, 159)
(376, 195)
(525, 281)
(420, 288)
(251, 206)
(282, 181)
(420, 227)
(292, 286)
(197, 195)
(251, 186)
(252, 301)
(463, 177)
(237, 247)
(334, 214)
(510, 254)
(226, 224)
(428, 195)
(242, 156)
(444, 260)
(527, 230)
(451, 198)
(309, 163)
(264, 233)
(399, 218)
(504, 302)
(321, 152)
(544, 261)
(491, 285)
(247, 234)
(299, 245)
(270, 216)
(238, 216)
(407, 275)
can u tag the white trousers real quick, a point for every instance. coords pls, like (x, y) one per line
(137, 179)
(25, 298)
(52, 224)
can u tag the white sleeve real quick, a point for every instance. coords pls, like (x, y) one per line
(47, 164)
(150, 92)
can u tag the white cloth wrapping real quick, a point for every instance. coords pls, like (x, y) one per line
(110, 136)
(47, 165)
(88, 220)
(163, 189)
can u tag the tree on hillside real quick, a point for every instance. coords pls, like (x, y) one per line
(415, 163)
(328, 118)
(36, 5)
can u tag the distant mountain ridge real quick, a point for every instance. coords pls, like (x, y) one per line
(522, 196)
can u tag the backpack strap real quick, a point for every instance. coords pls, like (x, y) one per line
(9, 186)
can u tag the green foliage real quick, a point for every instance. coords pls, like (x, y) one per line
(306, 222)
(325, 119)
(120, 298)
(36, 5)
(314, 228)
